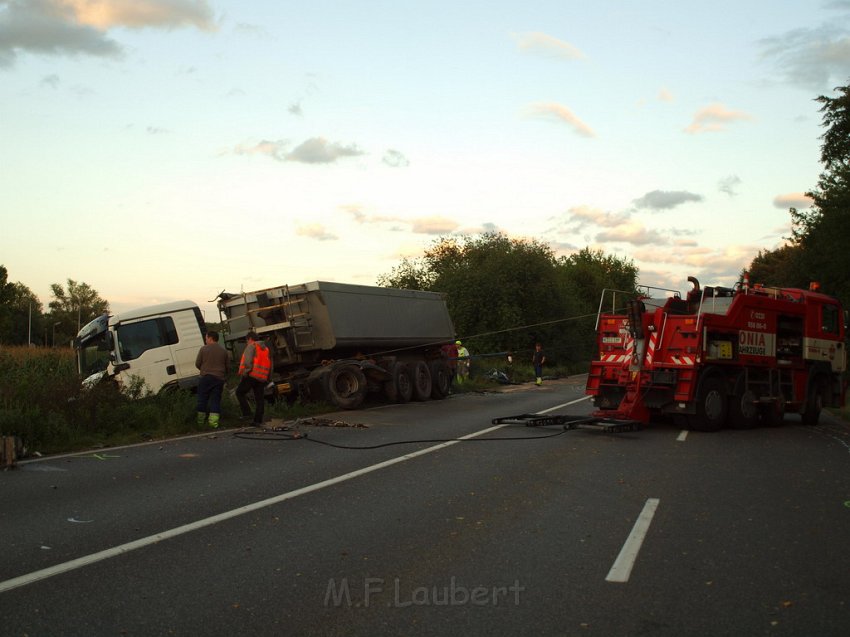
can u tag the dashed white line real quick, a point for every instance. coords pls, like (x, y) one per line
(682, 436)
(622, 568)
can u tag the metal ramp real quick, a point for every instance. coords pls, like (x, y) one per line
(608, 425)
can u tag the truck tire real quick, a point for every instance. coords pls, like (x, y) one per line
(346, 386)
(399, 388)
(712, 405)
(814, 401)
(441, 379)
(421, 380)
(743, 406)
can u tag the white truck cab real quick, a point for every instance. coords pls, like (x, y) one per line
(158, 344)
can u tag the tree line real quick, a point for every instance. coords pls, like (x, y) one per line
(23, 319)
(817, 248)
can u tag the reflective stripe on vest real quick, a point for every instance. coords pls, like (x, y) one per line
(261, 368)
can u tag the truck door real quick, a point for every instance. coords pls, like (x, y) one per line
(188, 338)
(144, 346)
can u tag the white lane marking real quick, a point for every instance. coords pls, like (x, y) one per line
(682, 436)
(572, 402)
(622, 568)
(122, 549)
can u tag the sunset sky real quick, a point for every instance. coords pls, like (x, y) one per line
(168, 149)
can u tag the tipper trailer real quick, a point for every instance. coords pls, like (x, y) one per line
(338, 342)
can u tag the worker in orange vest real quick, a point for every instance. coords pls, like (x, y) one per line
(255, 369)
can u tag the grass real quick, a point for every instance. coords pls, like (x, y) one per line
(43, 403)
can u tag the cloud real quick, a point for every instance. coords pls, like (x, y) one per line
(714, 118)
(318, 150)
(582, 216)
(664, 200)
(395, 159)
(665, 96)
(634, 233)
(295, 109)
(792, 200)
(433, 225)
(728, 185)
(544, 44)
(51, 80)
(275, 150)
(78, 27)
(315, 150)
(138, 14)
(315, 231)
(812, 59)
(561, 114)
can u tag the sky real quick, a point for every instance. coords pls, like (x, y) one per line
(170, 149)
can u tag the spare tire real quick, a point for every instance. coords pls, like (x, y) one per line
(421, 380)
(346, 386)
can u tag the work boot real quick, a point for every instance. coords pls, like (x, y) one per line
(202, 416)
(214, 420)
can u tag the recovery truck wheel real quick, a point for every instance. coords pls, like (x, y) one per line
(441, 379)
(346, 386)
(399, 388)
(743, 406)
(814, 401)
(711, 405)
(421, 381)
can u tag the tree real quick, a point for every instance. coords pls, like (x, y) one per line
(71, 309)
(821, 232)
(504, 294)
(778, 268)
(20, 312)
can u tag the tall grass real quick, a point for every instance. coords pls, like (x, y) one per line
(42, 401)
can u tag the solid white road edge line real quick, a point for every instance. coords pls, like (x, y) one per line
(122, 549)
(622, 568)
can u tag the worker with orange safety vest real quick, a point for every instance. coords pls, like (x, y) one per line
(255, 369)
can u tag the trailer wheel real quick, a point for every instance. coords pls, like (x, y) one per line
(441, 379)
(399, 388)
(743, 407)
(421, 380)
(711, 405)
(814, 401)
(346, 386)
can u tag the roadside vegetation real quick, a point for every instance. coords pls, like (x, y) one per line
(43, 403)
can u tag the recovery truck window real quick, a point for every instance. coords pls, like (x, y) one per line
(829, 322)
(137, 338)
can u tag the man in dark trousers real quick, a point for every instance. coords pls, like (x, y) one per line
(538, 358)
(255, 369)
(212, 361)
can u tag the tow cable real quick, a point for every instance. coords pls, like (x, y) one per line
(566, 423)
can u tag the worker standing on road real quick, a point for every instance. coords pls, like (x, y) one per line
(212, 362)
(462, 363)
(255, 369)
(537, 359)
(449, 351)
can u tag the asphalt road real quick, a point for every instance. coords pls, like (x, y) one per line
(517, 530)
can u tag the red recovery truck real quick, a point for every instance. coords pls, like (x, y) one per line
(738, 356)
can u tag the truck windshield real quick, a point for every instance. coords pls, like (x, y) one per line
(94, 354)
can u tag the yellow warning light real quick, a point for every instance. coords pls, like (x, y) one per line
(689, 321)
(814, 286)
(610, 321)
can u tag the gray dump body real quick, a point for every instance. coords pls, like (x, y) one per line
(307, 322)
